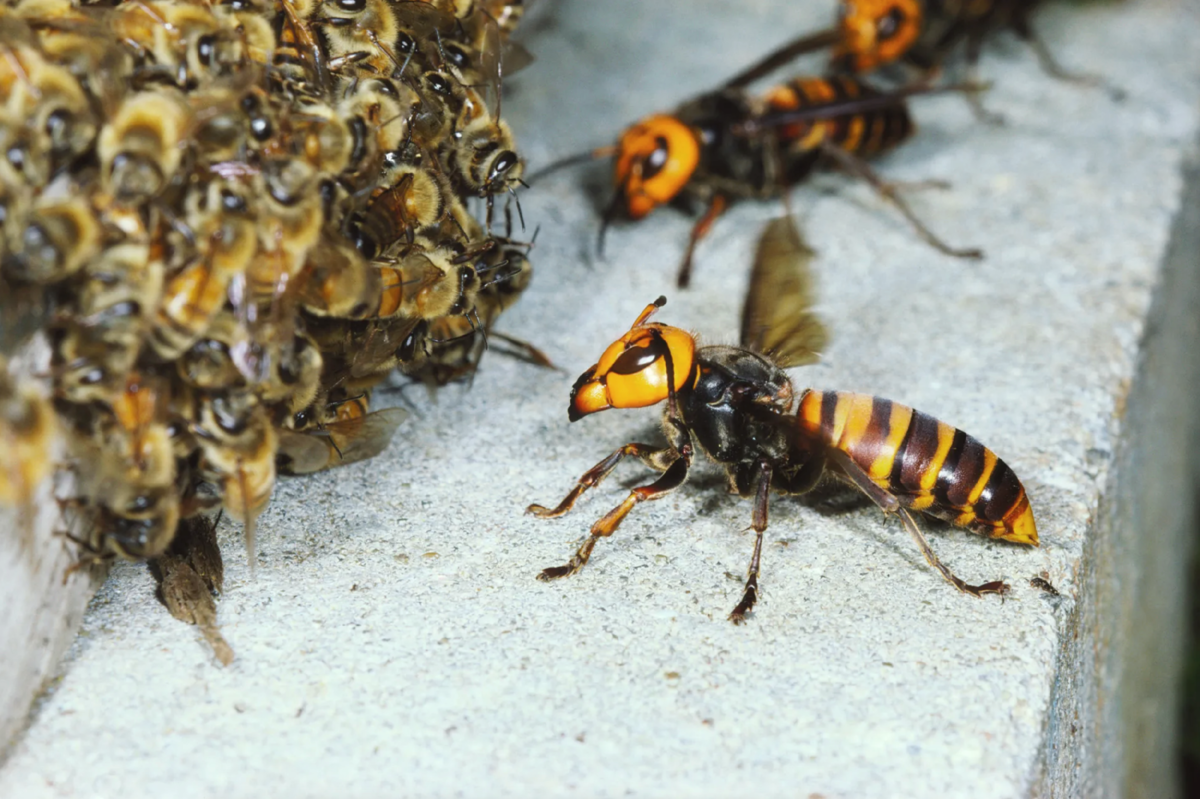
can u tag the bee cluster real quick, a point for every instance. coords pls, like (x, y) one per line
(239, 217)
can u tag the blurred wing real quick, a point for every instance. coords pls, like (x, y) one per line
(365, 437)
(778, 319)
(338, 444)
(516, 57)
(303, 453)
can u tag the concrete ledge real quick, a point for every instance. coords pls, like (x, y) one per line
(396, 643)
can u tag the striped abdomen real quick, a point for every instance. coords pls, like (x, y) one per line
(865, 133)
(926, 464)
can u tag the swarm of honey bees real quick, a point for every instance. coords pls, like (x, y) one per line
(230, 221)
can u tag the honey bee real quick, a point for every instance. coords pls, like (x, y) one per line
(484, 156)
(338, 282)
(293, 370)
(77, 38)
(485, 159)
(183, 44)
(378, 113)
(412, 197)
(298, 64)
(506, 13)
(695, 153)
(454, 344)
(28, 428)
(738, 406)
(232, 122)
(132, 485)
(51, 111)
(366, 30)
(121, 286)
(344, 433)
(253, 26)
(315, 132)
(290, 219)
(239, 444)
(358, 355)
(225, 241)
(209, 364)
(141, 148)
(449, 279)
(53, 241)
(100, 331)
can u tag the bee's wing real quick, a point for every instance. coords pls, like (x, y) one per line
(338, 444)
(778, 319)
(365, 437)
(303, 453)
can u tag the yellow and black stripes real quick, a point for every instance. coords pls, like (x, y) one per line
(926, 464)
(864, 133)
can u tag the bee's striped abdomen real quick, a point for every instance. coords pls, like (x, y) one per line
(928, 465)
(865, 133)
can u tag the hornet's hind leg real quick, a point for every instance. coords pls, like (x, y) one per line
(860, 168)
(890, 504)
(758, 524)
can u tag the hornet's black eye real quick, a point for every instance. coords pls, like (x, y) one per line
(636, 359)
(889, 24)
(657, 159)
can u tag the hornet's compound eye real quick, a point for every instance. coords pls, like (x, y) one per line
(635, 359)
(889, 24)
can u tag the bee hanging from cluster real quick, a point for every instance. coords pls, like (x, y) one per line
(241, 217)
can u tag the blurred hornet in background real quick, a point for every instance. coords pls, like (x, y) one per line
(727, 145)
(923, 34)
(737, 405)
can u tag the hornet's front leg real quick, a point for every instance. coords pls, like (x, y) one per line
(673, 478)
(657, 458)
(675, 475)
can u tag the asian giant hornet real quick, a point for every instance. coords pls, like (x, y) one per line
(737, 405)
(870, 34)
(713, 149)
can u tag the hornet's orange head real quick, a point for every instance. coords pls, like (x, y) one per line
(632, 372)
(876, 32)
(655, 160)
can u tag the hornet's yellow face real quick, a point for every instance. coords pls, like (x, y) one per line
(632, 372)
(876, 32)
(655, 160)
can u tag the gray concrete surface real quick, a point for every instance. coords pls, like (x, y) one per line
(395, 642)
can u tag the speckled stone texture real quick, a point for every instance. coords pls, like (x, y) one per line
(395, 642)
